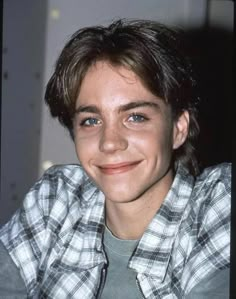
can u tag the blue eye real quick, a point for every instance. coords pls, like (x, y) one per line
(137, 118)
(90, 122)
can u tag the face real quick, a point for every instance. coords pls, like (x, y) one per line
(124, 135)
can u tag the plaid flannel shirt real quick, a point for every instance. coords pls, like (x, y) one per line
(55, 239)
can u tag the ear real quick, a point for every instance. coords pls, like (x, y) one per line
(181, 128)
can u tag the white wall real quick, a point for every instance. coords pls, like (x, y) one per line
(22, 76)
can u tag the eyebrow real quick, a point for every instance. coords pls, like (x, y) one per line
(138, 104)
(122, 108)
(89, 109)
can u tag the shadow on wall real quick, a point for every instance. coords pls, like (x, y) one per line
(211, 51)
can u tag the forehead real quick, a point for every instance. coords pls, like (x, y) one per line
(104, 69)
(104, 80)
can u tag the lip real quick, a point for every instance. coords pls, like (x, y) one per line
(117, 168)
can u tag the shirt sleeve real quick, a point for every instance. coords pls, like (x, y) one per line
(11, 283)
(214, 287)
(24, 236)
(37, 232)
(210, 254)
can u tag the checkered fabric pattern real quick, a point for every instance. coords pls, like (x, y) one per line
(55, 239)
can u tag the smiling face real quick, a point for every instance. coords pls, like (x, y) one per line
(125, 135)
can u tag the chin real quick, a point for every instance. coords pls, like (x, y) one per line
(118, 196)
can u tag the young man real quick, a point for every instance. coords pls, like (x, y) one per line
(134, 219)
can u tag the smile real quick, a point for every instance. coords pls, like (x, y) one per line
(110, 169)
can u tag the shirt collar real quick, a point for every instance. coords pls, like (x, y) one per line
(154, 250)
(85, 249)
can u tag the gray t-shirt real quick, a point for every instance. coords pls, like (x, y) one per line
(120, 280)
(12, 285)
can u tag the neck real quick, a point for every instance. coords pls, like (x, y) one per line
(129, 220)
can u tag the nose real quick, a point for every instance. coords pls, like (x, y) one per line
(112, 139)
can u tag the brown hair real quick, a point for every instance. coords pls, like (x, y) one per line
(151, 50)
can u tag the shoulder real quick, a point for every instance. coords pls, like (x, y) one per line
(211, 199)
(70, 176)
(215, 175)
(53, 204)
(215, 286)
(213, 186)
(208, 225)
(62, 183)
(59, 198)
(46, 220)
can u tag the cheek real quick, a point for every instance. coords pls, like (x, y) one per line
(161, 147)
(85, 149)
(155, 140)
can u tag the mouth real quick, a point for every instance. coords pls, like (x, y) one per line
(110, 169)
